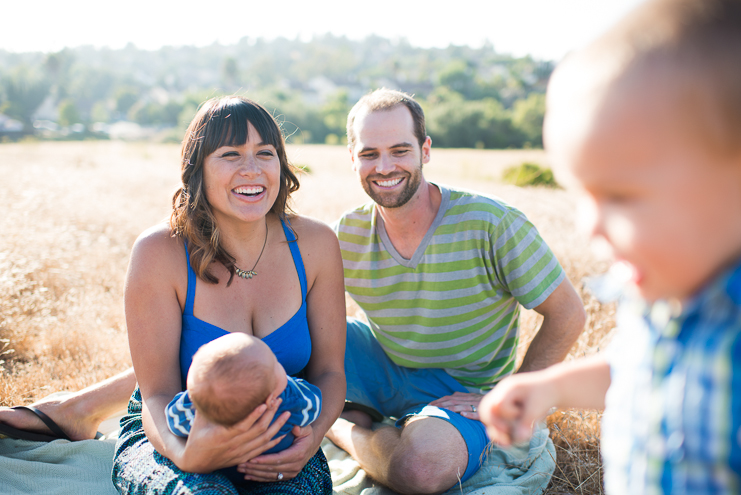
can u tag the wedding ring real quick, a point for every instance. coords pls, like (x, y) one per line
(280, 476)
(473, 408)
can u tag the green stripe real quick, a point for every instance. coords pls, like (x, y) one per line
(515, 240)
(538, 290)
(464, 226)
(355, 222)
(455, 247)
(460, 209)
(424, 303)
(425, 321)
(443, 267)
(413, 336)
(484, 351)
(431, 286)
(358, 257)
(358, 239)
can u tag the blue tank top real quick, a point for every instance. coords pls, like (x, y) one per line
(291, 343)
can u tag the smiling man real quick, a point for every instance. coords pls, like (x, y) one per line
(440, 274)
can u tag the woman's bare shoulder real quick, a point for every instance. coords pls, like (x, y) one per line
(156, 247)
(312, 232)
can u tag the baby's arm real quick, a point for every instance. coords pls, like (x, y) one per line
(310, 406)
(511, 408)
(180, 413)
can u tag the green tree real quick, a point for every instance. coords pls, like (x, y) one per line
(68, 113)
(100, 112)
(24, 91)
(334, 113)
(527, 116)
(125, 98)
(230, 72)
(472, 124)
(460, 77)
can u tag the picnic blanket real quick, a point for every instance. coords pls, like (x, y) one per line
(72, 468)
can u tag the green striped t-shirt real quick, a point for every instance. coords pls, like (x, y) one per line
(454, 304)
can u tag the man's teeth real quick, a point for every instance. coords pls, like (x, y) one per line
(388, 183)
(251, 191)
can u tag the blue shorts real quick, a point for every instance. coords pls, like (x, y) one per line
(395, 391)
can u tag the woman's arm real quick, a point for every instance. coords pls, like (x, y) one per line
(154, 292)
(326, 369)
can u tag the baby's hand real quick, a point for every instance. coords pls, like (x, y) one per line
(511, 408)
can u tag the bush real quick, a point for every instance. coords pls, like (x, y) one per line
(529, 174)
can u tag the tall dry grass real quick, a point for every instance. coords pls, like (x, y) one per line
(70, 212)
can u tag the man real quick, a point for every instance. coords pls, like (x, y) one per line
(440, 274)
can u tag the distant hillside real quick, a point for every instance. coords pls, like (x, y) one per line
(474, 97)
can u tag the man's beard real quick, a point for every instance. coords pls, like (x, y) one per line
(411, 184)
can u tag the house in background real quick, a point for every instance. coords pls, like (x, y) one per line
(10, 127)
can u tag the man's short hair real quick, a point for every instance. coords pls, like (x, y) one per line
(693, 48)
(387, 99)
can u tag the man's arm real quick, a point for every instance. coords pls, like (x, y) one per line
(563, 321)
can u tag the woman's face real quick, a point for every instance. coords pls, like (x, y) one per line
(242, 181)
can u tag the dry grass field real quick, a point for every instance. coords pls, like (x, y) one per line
(70, 212)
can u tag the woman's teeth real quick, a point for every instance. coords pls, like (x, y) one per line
(249, 191)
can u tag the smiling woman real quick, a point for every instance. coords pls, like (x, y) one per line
(231, 209)
(230, 142)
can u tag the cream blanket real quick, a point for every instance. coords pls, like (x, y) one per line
(74, 468)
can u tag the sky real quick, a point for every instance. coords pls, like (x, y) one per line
(545, 29)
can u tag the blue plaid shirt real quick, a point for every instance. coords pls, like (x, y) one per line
(672, 422)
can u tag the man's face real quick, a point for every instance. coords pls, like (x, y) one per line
(387, 156)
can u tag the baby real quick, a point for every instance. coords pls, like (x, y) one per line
(232, 375)
(646, 124)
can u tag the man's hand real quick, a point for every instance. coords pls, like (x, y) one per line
(465, 404)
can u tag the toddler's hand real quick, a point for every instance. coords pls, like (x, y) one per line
(511, 408)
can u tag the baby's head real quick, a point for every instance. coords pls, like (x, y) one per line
(231, 376)
(646, 121)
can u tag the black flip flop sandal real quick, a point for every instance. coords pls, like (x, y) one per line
(58, 433)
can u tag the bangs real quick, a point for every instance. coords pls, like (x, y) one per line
(227, 125)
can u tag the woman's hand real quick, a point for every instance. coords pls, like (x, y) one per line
(288, 462)
(210, 446)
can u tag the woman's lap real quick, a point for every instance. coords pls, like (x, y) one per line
(138, 469)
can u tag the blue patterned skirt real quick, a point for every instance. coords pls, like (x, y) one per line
(138, 469)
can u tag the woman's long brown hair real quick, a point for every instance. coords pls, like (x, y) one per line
(220, 122)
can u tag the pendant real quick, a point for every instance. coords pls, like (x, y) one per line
(245, 273)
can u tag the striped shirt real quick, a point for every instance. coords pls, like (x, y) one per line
(454, 304)
(672, 422)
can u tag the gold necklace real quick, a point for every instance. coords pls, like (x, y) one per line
(251, 273)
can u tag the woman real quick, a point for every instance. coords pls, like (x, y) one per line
(232, 259)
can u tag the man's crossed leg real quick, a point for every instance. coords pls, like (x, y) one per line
(430, 449)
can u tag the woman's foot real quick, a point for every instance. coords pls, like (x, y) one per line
(64, 412)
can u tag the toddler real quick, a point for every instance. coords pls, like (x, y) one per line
(646, 124)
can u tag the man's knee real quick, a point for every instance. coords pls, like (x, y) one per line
(425, 461)
(423, 472)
